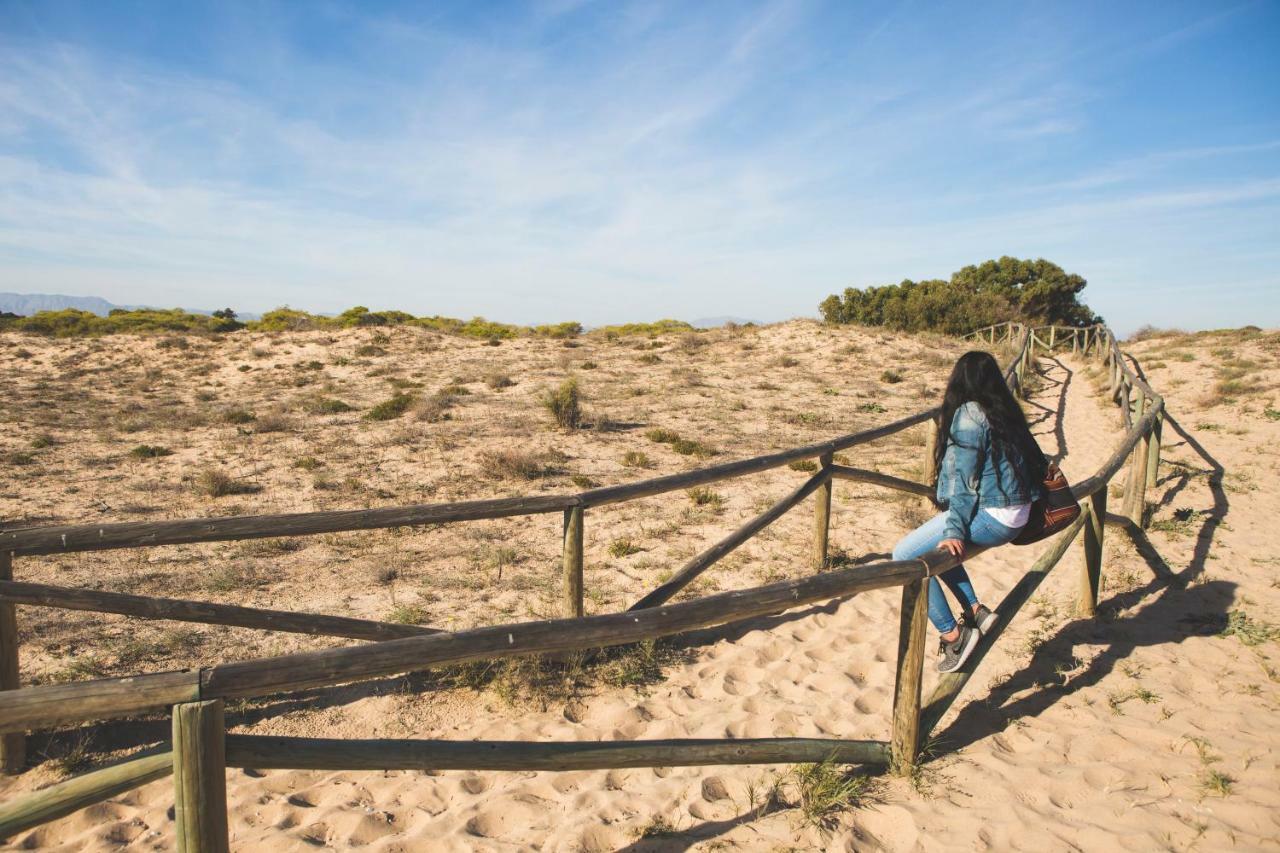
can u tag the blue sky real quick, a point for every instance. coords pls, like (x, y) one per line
(612, 161)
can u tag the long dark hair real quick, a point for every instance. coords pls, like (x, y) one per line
(976, 378)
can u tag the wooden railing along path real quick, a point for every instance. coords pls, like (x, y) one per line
(201, 750)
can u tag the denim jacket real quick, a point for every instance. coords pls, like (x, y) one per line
(969, 479)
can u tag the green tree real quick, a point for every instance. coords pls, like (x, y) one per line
(1038, 292)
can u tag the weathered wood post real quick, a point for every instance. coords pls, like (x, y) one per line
(1135, 504)
(573, 561)
(1153, 455)
(931, 450)
(822, 516)
(13, 746)
(905, 744)
(200, 777)
(1094, 529)
(1075, 341)
(1053, 336)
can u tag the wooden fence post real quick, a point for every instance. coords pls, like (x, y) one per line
(822, 516)
(931, 451)
(13, 746)
(1153, 455)
(200, 777)
(1053, 336)
(905, 744)
(1091, 576)
(1135, 503)
(573, 561)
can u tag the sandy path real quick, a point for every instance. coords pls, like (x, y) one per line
(1076, 735)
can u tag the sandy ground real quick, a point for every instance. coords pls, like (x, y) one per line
(1149, 727)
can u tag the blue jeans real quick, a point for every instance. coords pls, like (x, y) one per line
(984, 531)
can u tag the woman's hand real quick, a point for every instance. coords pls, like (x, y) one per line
(955, 547)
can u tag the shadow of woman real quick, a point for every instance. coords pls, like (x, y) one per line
(1177, 613)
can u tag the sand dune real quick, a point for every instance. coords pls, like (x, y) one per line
(1094, 734)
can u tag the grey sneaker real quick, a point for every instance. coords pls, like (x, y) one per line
(984, 620)
(951, 656)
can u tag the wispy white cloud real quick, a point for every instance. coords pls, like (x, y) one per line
(666, 164)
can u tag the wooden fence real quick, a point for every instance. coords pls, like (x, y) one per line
(200, 749)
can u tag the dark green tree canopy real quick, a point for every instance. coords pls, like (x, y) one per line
(1038, 292)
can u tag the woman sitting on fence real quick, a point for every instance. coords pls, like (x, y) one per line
(989, 470)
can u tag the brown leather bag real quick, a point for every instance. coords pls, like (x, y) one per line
(1053, 512)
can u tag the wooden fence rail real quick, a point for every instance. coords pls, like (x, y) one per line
(201, 749)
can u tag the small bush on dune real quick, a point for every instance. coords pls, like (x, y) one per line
(564, 404)
(216, 483)
(391, 408)
(149, 451)
(636, 459)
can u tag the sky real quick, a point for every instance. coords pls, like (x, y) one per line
(616, 161)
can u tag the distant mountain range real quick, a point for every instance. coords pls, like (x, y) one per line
(27, 304)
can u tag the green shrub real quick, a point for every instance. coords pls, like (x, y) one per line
(391, 408)
(325, 406)
(564, 404)
(216, 484)
(149, 451)
(688, 447)
(636, 459)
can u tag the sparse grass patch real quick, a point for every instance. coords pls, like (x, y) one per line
(498, 381)
(705, 496)
(891, 377)
(433, 409)
(623, 547)
(827, 790)
(872, 408)
(657, 827)
(1250, 631)
(806, 465)
(1214, 781)
(325, 406)
(407, 614)
(238, 416)
(513, 464)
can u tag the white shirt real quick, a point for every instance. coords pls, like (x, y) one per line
(1010, 516)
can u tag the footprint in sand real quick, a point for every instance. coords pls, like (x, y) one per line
(317, 834)
(476, 784)
(714, 789)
